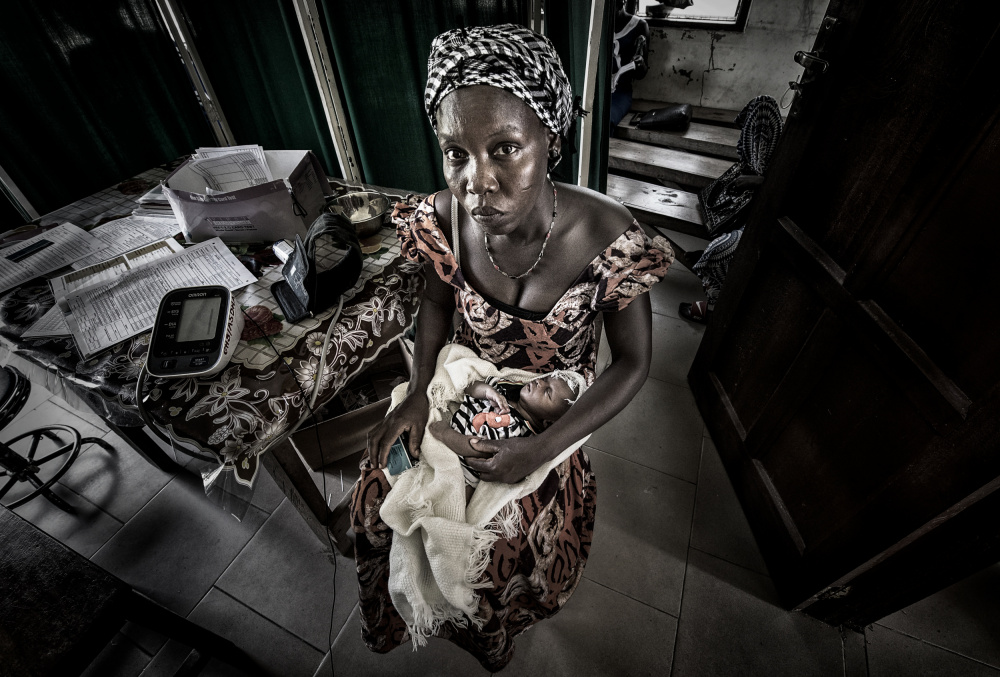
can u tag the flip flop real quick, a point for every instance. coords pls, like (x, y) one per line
(696, 312)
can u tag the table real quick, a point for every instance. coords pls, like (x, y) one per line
(238, 414)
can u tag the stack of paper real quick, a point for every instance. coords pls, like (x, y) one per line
(53, 323)
(102, 314)
(231, 168)
(154, 205)
(126, 234)
(45, 253)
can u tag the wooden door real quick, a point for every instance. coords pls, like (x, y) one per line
(850, 374)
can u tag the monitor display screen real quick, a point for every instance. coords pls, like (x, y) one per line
(199, 319)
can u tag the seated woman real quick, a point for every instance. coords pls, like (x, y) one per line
(529, 266)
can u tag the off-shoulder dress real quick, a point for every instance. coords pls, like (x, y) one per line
(532, 575)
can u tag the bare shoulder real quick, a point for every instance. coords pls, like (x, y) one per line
(598, 219)
(442, 212)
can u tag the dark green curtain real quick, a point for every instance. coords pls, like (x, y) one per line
(95, 93)
(254, 55)
(567, 24)
(381, 50)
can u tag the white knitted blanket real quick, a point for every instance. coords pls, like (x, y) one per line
(440, 546)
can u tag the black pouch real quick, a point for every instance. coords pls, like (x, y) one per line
(669, 119)
(320, 269)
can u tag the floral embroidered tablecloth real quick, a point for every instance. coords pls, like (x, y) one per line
(237, 413)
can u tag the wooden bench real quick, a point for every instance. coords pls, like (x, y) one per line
(697, 138)
(678, 166)
(657, 206)
(662, 208)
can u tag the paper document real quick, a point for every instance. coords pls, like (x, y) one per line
(254, 149)
(44, 253)
(102, 315)
(235, 171)
(52, 323)
(93, 275)
(126, 234)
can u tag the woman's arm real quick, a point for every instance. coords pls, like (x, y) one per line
(630, 338)
(433, 328)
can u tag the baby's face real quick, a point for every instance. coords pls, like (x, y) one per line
(546, 398)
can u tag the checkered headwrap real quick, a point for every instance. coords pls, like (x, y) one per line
(508, 56)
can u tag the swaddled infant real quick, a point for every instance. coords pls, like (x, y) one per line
(496, 409)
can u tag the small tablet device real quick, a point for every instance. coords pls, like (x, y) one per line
(399, 455)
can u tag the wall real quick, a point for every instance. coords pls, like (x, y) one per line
(725, 69)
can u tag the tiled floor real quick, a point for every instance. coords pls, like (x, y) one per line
(675, 583)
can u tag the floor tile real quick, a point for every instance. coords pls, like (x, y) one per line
(641, 533)
(963, 617)
(120, 658)
(891, 653)
(86, 532)
(440, 658)
(660, 428)
(300, 594)
(720, 527)
(120, 482)
(599, 632)
(731, 624)
(276, 651)
(675, 343)
(81, 411)
(678, 286)
(36, 398)
(177, 545)
(266, 494)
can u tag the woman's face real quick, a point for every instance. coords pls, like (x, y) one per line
(495, 156)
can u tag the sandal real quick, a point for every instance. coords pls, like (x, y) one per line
(696, 312)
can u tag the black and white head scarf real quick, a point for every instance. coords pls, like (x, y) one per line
(508, 56)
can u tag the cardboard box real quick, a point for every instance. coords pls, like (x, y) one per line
(271, 211)
(347, 433)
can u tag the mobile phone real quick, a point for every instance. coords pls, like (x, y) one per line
(399, 455)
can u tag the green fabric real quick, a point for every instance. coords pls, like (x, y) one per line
(567, 24)
(254, 55)
(95, 93)
(381, 52)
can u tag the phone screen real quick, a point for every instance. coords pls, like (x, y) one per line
(399, 457)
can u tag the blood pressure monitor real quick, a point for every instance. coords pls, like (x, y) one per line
(195, 332)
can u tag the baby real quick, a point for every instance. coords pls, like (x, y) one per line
(497, 409)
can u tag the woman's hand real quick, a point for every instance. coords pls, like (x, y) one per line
(508, 461)
(411, 416)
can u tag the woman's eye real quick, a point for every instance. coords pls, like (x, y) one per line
(507, 149)
(453, 154)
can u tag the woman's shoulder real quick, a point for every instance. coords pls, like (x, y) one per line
(422, 235)
(599, 219)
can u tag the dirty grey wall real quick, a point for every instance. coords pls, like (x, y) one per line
(725, 69)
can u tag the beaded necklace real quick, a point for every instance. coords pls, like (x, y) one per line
(486, 240)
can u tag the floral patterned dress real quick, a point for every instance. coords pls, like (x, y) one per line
(532, 575)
